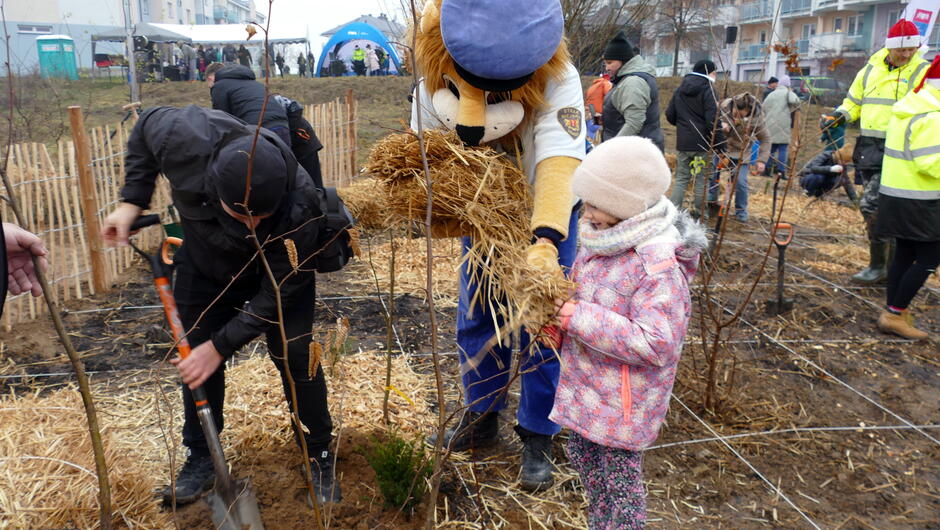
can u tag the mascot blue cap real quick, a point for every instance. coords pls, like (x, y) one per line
(498, 44)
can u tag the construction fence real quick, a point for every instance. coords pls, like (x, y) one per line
(65, 191)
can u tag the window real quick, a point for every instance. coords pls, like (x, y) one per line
(763, 37)
(144, 7)
(189, 16)
(934, 40)
(32, 29)
(169, 9)
(854, 25)
(837, 25)
(893, 16)
(808, 30)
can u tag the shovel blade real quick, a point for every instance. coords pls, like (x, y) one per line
(236, 509)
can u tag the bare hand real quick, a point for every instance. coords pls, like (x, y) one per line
(201, 363)
(21, 246)
(760, 167)
(117, 224)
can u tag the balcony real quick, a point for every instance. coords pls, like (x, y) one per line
(838, 43)
(795, 8)
(756, 11)
(752, 53)
(802, 46)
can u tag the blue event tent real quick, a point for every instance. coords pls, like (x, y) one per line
(344, 40)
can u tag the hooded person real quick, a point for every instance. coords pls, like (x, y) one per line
(909, 201)
(234, 89)
(890, 74)
(631, 108)
(693, 109)
(498, 73)
(206, 155)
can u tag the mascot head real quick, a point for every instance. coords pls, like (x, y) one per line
(486, 63)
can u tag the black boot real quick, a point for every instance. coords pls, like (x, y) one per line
(196, 478)
(483, 433)
(877, 270)
(323, 475)
(537, 467)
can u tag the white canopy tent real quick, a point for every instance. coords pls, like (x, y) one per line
(235, 33)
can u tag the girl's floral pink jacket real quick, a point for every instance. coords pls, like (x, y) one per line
(623, 340)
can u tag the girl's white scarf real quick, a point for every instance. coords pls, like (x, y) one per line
(629, 233)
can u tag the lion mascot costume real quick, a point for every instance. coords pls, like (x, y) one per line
(498, 73)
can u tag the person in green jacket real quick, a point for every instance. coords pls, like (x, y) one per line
(631, 108)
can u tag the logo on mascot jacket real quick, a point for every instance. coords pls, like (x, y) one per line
(570, 119)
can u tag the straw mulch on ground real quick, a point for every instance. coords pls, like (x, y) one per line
(47, 477)
(477, 192)
(410, 267)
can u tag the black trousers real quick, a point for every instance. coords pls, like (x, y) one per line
(194, 293)
(914, 262)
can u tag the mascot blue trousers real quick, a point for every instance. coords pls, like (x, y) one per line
(485, 387)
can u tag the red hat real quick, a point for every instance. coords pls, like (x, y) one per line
(932, 76)
(903, 34)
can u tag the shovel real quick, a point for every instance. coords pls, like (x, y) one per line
(232, 501)
(781, 305)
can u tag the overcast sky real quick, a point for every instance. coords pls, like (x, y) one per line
(322, 15)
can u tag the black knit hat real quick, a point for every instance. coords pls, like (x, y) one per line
(772, 80)
(704, 67)
(619, 48)
(229, 170)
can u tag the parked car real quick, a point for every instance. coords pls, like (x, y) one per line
(821, 89)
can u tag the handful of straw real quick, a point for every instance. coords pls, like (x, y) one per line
(484, 194)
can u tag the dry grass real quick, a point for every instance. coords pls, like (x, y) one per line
(411, 267)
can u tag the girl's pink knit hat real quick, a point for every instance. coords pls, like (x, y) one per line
(623, 176)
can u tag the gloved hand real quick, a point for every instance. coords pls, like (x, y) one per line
(544, 256)
(836, 168)
(831, 120)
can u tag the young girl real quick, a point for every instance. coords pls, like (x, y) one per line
(624, 326)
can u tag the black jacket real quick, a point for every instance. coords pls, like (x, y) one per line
(821, 164)
(235, 91)
(180, 143)
(692, 110)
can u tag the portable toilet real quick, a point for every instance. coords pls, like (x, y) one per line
(57, 56)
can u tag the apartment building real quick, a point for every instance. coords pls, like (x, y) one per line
(819, 30)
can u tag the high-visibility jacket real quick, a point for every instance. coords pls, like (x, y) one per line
(876, 88)
(359, 54)
(909, 205)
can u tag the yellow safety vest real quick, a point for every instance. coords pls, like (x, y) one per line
(359, 55)
(912, 149)
(876, 89)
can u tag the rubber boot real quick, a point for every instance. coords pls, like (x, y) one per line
(323, 475)
(195, 478)
(537, 467)
(483, 432)
(877, 270)
(901, 325)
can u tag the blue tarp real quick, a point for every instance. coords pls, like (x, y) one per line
(357, 31)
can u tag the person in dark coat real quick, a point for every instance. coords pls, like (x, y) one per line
(229, 54)
(234, 90)
(203, 155)
(693, 110)
(244, 56)
(303, 139)
(826, 171)
(301, 65)
(772, 84)
(279, 61)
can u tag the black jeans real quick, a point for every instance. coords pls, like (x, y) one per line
(914, 262)
(194, 292)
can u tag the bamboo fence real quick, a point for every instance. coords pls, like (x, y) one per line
(86, 174)
(335, 124)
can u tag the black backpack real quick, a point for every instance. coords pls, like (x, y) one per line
(334, 241)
